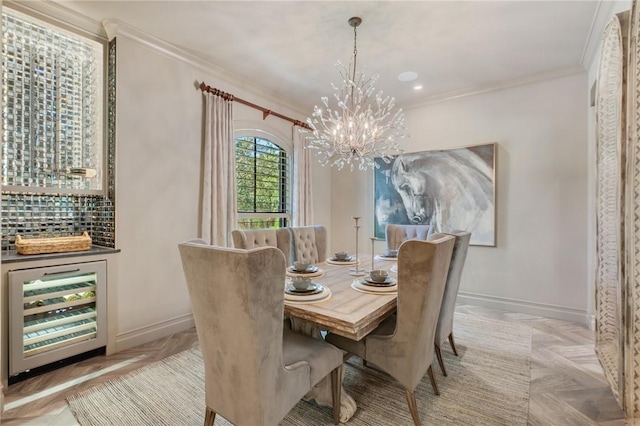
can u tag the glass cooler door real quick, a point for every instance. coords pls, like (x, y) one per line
(55, 312)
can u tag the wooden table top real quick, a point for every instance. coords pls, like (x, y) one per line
(348, 312)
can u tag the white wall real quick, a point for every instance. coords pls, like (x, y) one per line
(540, 262)
(159, 142)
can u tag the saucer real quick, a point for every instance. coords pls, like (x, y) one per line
(386, 283)
(347, 259)
(303, 299)
(350, 261)
(310, 270)
(311, 289)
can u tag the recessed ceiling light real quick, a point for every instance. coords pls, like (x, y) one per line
(417, 87)
(407, 76)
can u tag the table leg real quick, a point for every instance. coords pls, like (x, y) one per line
(321, 392)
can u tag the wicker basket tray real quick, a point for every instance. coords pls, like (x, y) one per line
(53, 245)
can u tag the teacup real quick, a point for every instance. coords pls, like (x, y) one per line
(341, 255)
(379, 275)
(391, 253)
(301, 265)
(301, 283)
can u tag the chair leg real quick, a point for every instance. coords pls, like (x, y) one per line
(439, 356)
(413, 407)
(336, 391)
(453, 345)
(209, 417)
(433, 380)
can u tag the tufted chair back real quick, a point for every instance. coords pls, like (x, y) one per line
(444, 329)
(255, 371)
(402, 345)
(309, 243)
(397, 234)
(272, 237)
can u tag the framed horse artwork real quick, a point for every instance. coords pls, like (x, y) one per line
(451, 189)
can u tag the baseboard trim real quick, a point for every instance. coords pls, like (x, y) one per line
(152, 332)
(524, 307)
(591, 322)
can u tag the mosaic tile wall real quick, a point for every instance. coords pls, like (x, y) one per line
(33, 214)
(50, 110)
(56, 215)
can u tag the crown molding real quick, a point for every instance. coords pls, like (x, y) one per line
(604, 10)
(492, 87)
(56, 13)
(115, 27)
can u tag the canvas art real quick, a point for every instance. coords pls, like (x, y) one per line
(451, 189)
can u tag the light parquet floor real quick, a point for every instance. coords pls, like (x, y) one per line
(567, 384)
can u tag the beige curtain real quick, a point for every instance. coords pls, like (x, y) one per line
(219, 212)
(302, 206)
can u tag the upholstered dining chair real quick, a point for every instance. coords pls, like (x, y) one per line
(255, 372)
(397, 234)
(402, 345)
(272, 237)
(444, 329)
(309, 243)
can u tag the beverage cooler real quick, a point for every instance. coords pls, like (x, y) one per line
(55, 313)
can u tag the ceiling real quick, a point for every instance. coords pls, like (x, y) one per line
(291, 47)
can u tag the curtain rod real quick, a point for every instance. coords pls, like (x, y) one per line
(265, 112)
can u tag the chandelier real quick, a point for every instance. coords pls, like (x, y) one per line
(362, 127)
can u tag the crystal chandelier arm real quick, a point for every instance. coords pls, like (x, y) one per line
(362, 126)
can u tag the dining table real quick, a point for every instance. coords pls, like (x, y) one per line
(347, 311)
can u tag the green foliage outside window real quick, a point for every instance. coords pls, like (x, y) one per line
(262, 181)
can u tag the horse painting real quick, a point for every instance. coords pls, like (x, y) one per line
(449, 190)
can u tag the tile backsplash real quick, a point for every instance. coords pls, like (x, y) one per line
(34, 215)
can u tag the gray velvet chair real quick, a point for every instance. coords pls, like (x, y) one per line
(309, 243)
(255, 372)
(272, 237)
(444, 329)
(397, 234)
(402, 345)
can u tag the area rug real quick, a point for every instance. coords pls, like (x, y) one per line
(488, 384)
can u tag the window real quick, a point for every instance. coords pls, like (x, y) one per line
(263, 181)
(52, 109)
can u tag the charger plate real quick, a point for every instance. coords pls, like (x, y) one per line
(361, 286)
(310, 298)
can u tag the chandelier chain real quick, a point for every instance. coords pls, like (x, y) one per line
(355, 52)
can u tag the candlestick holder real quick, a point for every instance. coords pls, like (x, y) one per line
(356, 271)
(373, 253)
